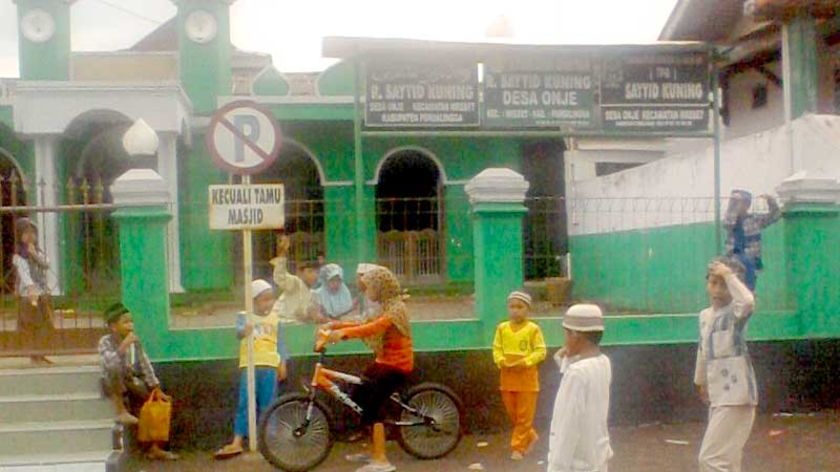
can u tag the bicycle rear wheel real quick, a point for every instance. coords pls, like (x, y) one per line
(287, 441)
(439, 421)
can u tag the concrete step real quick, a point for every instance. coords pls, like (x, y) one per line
(61, 407)
(61, 437)
(97, 461)
(50, 381)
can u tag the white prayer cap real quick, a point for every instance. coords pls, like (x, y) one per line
(365, 267)
(584, 317)
(521, 296)
(258, 287)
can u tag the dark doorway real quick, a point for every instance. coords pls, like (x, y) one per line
(545, 235)
(296, 169)
(409, 197)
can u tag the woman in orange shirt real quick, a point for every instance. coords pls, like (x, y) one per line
(389, 335)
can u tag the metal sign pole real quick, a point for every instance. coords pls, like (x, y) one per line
(716, 139)
(249, 314)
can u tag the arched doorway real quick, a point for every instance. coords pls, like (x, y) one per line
(12, 193)
(94, 154)
(409, 215)
(297, 169)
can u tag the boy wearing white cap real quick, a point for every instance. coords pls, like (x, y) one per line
(579, 440)
(724, 373)
(518, 348)
(270, 355)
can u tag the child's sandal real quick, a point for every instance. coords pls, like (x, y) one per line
(228, 452)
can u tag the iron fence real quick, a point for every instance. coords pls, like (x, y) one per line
(78, 237)
(650, 255)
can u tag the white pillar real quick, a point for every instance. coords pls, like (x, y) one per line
(167, 167)
(46, 187)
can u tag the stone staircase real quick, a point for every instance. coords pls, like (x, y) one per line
(56, 420)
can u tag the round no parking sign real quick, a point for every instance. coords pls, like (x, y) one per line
(243, 138)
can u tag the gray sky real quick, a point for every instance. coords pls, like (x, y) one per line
(292, 31)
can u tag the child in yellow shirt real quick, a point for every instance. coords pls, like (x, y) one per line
(518, 348)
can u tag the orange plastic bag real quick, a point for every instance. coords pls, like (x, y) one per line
(154, 418)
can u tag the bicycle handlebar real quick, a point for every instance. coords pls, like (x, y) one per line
(321, 340)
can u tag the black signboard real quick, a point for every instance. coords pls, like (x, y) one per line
(421, 95)
(539, 92)
(655, 92)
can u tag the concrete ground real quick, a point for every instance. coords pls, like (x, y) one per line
(778, 444)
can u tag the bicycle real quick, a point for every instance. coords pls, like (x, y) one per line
(295, 433)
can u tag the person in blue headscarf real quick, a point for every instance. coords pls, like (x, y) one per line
(333, 296)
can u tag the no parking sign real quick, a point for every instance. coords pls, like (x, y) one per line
(243, 138)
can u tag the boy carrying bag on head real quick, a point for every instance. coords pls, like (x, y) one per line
(724, 373)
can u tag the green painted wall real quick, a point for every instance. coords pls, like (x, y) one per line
(206, 256)
(662, 270)
(21, 151)
(145, 284)
(6, 117)
(339, 220)
(462, 158)
(813, 266)
(49, 60)
(800, 46)
(331, 142)
(313, 112)
(166, 345)
(809, 235)
(459, 241)
(497, 230)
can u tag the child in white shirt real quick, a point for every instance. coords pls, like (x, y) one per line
(579, 440)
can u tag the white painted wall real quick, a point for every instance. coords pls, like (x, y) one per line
(745, 120)
(679, 189)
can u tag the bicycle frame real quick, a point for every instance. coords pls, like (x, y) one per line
(323, 379)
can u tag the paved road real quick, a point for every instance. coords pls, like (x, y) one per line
(808, 443)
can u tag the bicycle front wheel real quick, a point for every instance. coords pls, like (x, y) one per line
(288, 441)
(436, 428)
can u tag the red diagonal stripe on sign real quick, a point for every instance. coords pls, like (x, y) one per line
(233, 129)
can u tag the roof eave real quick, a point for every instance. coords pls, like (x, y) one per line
(674, 20)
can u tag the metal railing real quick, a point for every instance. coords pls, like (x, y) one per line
(83, 276)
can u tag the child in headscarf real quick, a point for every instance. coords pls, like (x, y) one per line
(35, 305)
(389, 335)
(368, 309)
(333, 296)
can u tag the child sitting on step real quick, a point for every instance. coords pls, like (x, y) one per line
(128, 375)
